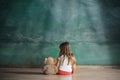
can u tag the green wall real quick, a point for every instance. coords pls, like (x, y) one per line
(31, 30)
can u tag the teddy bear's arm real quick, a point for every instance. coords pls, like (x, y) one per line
(45, 68)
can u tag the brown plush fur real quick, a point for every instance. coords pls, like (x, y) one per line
(50, 66)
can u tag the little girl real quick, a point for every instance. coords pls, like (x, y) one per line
(66, 61)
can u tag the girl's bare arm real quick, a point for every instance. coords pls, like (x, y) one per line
(58, 63)
(74, 64)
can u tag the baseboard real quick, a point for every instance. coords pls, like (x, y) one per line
(100, 67)
(19, 66)
(78, 66)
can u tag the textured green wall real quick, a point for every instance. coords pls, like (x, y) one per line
(31, 30)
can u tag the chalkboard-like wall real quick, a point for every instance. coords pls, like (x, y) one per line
(31, 30)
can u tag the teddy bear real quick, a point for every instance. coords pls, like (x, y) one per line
(49, 67)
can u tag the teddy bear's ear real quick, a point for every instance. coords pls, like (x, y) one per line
(45, 60)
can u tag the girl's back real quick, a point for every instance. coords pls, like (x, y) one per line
(64, 65)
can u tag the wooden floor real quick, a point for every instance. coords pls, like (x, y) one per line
(81, 74)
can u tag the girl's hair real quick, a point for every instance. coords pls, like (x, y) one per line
(65, 50)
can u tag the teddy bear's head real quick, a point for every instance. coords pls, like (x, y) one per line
(50, 61)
